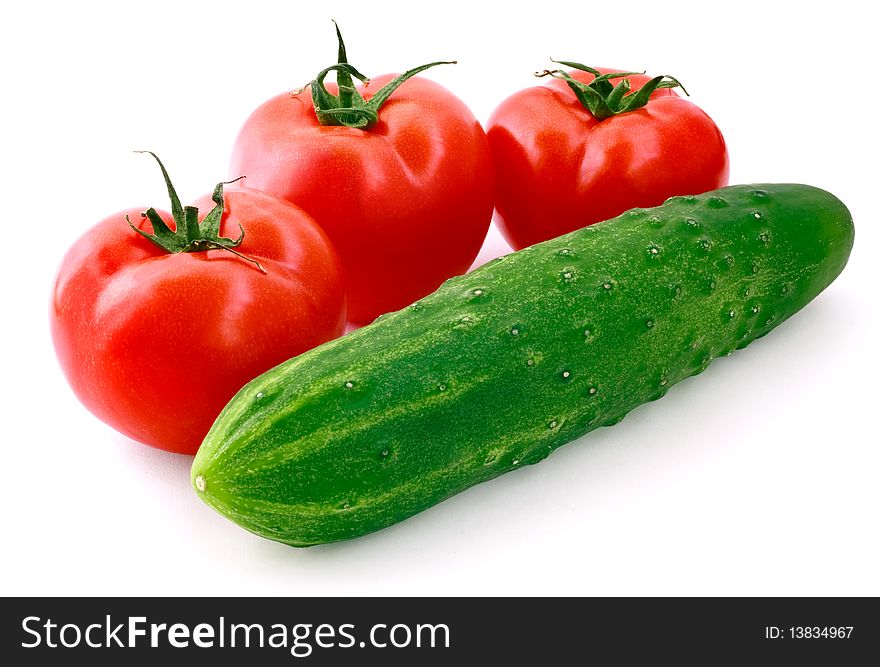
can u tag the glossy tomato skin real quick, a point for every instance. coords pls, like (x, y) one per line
(155, 344)
(406, 203)
(558, 168)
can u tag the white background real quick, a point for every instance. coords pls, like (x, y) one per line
(758, 477)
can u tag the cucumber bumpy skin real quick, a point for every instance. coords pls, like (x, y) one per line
(501, 366)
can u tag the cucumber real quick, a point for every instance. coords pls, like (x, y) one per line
(501, 366)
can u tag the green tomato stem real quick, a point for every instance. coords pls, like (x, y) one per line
(188, 235)
(604, 99)
(348, 107)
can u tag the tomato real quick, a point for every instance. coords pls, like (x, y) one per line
(404, 190)
(559, 167)
(156, 343)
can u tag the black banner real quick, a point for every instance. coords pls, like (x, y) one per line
(429, 631)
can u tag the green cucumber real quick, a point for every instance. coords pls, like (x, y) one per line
(501, 366)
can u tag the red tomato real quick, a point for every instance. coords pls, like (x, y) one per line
(155, 344)
(406, 203)
(558, 168)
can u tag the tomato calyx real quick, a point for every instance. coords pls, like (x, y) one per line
(604, 99)
(188, 235)
(349, 108)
